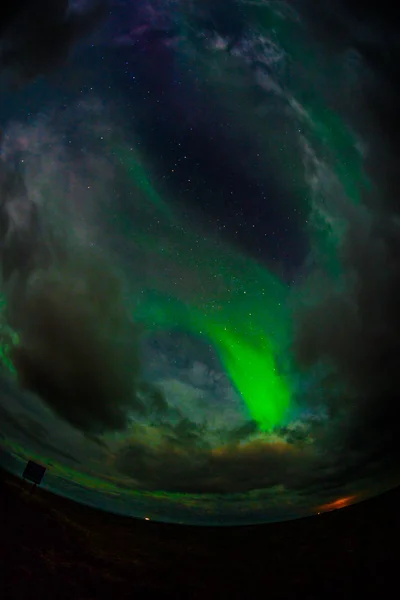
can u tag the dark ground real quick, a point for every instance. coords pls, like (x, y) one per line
(55, 548)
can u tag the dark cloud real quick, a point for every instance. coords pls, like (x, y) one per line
(78, 348)
(353, 328)
(317, 462)
(180, 460)
(36, 37)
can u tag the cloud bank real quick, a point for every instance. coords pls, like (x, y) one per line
(78, 347)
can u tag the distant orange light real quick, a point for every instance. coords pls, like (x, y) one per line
(336, 504)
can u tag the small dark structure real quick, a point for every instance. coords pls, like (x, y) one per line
(34, 472)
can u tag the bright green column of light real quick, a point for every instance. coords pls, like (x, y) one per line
(254, 373)
(247, 355)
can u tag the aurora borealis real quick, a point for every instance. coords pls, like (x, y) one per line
(205, 327)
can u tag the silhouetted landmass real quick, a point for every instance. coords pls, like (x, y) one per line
(55, 548)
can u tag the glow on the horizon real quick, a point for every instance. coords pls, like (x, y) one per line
(337, 504)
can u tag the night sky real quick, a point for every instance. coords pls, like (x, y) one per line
(200, 242)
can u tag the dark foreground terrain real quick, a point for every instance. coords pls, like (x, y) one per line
(55, 548)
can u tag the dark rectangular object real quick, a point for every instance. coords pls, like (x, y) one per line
(34, 472)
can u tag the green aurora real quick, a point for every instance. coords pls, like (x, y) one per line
(247, 321)
(246, 317)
